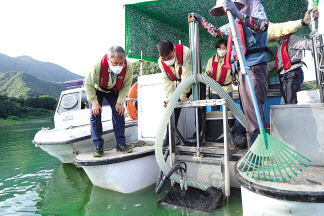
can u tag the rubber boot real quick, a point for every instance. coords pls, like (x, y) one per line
(251, 137)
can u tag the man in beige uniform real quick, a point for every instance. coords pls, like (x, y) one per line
(168, 56)
(110, 78)
(175, 65)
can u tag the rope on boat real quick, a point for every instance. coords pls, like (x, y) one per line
(139, 143)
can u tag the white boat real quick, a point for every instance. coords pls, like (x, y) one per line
(71, 135)
(127, 173)
(301, 128)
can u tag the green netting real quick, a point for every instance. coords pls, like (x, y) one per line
(148, 23)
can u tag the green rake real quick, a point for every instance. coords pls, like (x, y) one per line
(268, 156)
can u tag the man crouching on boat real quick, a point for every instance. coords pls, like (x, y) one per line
(110, 78)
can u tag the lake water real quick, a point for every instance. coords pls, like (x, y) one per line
(34, 183)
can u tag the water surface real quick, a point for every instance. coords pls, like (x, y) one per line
(34, 183)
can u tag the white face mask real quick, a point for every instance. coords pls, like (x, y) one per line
(116, 69)
(221, 53)
(170, 62)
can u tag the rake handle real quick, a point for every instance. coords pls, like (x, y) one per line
(245, 69)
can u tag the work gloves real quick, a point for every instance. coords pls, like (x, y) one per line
(198, 17)
(230, 6)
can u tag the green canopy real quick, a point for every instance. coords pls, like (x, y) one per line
(148, 23)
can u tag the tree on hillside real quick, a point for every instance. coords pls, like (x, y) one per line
(148, 68)
(47, 102)
(44, 102)
(309, 86)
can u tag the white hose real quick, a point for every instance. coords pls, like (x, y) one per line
(166, 117)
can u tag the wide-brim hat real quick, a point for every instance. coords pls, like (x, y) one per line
(218, 10)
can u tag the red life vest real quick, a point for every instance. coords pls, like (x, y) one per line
(284, 54)
(229, 44)
(168, 71)
(104, 75)
(223, 74)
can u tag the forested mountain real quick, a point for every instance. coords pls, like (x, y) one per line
(43, 70)
(33, 77)
(20, 84)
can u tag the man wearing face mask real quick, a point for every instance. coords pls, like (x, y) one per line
(110, 78)
(216, 69)
(175, 65)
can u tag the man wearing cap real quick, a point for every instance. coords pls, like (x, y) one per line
(251, 16)
(277, 30)
(110, 78)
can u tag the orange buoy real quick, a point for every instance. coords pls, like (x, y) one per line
(131, 105)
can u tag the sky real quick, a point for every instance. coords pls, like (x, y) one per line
(74, 34)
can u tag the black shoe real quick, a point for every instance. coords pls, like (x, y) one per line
(98, 152)
(123, 148)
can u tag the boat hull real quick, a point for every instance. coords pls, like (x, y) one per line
(124, 173)
(125, 177)
(66, 144)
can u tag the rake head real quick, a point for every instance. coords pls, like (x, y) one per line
(270, 158)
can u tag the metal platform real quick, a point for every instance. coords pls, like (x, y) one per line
(206, 147)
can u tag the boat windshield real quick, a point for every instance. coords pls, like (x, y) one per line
(69, 102)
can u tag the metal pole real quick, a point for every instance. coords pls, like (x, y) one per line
(195, 64)
(171, 142)
(141, 63)
(197, 71)
(317, 72)
(197, 133)
(321, 63)
(192, 29)
(226, 154)
(314, 35)
(184, 110)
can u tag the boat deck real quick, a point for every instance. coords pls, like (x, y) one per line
(111, 156)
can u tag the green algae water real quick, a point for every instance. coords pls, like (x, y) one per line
(34, 183)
